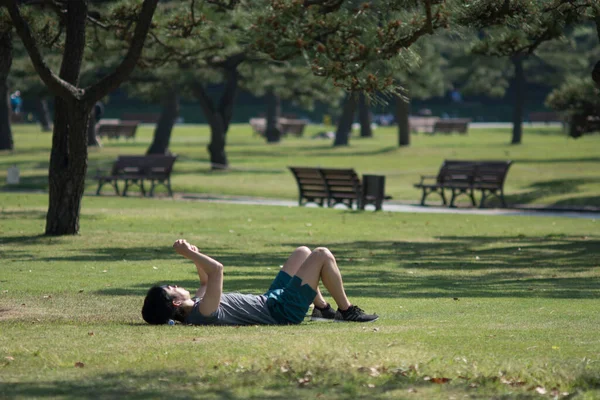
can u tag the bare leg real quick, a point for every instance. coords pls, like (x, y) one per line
(293, 264)
(321, 265)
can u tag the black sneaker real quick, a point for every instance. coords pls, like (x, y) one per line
(354, 314)
(323, 314)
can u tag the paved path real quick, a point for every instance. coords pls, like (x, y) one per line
(397, 207)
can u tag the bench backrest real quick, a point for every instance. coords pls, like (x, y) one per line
(150, 118)
(292, 126)
(457, 172)
(117, 128)
(544, 116)
(155, 166)
(310, 182)
(342, 183)
(451, 125)
(423, 124)
(492, 173)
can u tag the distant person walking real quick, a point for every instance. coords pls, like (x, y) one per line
(16, 102)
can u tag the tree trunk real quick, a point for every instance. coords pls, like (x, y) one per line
(218, 117)
(92, 139)
(68, 166)
(402, 112)
(596, 74)
(43, 113)
(166, 121)
(342, 135)
(596, 70)
(364, 116)
(68, 158)
(6, 139)
(519, 102)
(272, 132)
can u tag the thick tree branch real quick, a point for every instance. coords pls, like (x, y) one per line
(56, 85)
(112, 81)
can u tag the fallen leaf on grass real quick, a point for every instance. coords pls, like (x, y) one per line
(90, 333)
(9, 358)
(439, 381)
(79, 364)
(412, 390)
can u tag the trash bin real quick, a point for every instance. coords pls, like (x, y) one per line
(373, 191)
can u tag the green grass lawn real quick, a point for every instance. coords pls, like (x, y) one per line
(471, 306)
(548, 169)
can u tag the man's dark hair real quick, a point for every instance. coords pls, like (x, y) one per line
(158, 306)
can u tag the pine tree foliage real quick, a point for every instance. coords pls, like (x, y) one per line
(520, 27)
(357, 44)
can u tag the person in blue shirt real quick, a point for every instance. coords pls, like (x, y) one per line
(16, 102)
(287, 301)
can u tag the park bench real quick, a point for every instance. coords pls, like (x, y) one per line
(466, 177)
(114, 129)
(422, 124)
(545, 117)
(285, 125)
(146, 118)
(332, 186)
(460, 125)
(134, 170)
(292, 126)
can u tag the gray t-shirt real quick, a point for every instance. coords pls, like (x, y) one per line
(235, 309)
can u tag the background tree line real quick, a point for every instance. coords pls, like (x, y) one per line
(307, 51)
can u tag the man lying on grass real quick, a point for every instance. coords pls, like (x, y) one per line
(295, 287)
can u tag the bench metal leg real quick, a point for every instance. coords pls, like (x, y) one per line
(472, 196)
(443, 197)
(423, 197)
(454, 195)
(484, 196)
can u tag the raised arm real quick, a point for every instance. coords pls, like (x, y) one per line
(210, 272)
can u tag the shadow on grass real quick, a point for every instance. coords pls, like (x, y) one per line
(21, 215)
(38, 182)
(223, 383)
(328, 152)
(557, 160)
(542, 189)
(554, 266)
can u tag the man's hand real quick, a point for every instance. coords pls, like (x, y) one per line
(182, 247)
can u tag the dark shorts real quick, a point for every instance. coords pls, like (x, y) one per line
(288, 300)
